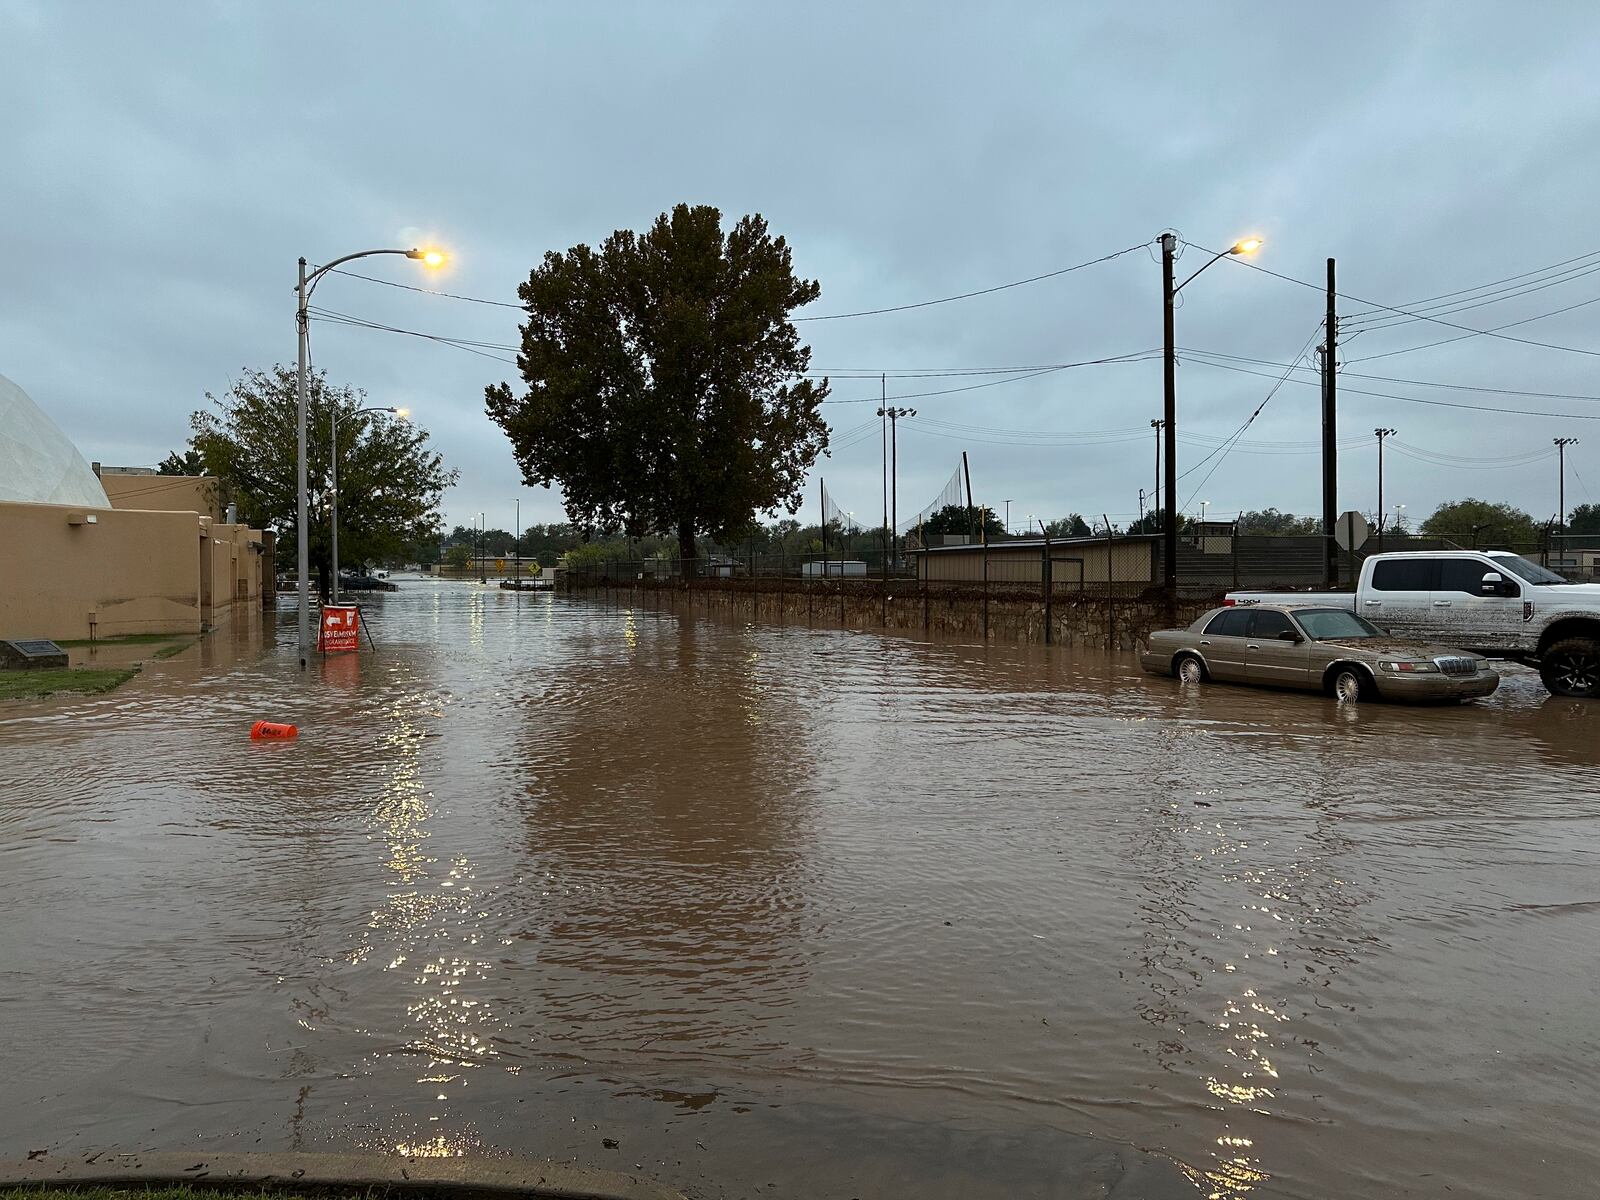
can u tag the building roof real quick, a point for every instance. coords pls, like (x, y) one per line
(38, 463)
(1036, 543)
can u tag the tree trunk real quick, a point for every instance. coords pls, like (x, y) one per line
(686, 550)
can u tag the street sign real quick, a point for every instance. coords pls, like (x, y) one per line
(341, 628)
(499, 564)
(1351, 531)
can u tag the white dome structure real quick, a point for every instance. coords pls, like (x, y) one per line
(38, 463)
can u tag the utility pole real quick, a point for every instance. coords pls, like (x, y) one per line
(1561, 478)
(883, 412)
(1330, 431)
(1381, 434)
(518, 550)
(967, 475)
(1157, 424)
(303, 550)
(1008, 518)
(1169, 425)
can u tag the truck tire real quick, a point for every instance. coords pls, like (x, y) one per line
(1571, 667)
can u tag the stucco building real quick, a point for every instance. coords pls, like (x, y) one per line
(87, 555)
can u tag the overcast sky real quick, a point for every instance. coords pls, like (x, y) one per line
(165, 164)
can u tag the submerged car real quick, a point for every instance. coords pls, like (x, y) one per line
(1328, 650)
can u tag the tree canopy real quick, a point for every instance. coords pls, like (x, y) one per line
(1584, 519)
(1269, 521)
(1070, 526)
(1481, 523)
(666, 388)
(390, 482)
(958, 518)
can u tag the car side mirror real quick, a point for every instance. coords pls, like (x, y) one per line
(1493, 584)
(1289, 635)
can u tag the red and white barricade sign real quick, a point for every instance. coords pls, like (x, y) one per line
(341, 628)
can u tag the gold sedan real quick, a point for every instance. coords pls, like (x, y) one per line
(1322, 649)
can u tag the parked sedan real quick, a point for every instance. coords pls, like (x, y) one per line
(1319, 649)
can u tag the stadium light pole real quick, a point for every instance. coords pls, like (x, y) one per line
(1169, 382)
(303, 290)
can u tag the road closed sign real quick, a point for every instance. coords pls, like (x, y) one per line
(340, 630)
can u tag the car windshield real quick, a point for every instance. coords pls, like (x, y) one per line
(1529, 572)
(1333, 624)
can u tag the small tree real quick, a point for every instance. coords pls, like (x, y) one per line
(958, 518)
(1269, 521)
(390, 482)
(458, 556)
(1584, 519)
(1483, 523)
(666, 387)
(1070, 526)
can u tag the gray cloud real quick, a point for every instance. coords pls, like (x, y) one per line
(166, 164)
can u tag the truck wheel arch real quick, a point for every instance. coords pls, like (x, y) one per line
(1567, 627)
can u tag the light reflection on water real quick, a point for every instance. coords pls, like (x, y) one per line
(540, 874)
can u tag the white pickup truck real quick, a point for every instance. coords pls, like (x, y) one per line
(1491, 601)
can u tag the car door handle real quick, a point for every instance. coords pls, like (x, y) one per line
(1251, 646)
(1203, 642)
(1374, 603)
(1441, 604)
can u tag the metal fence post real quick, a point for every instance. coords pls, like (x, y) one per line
(1111, 603)
(1048, 583)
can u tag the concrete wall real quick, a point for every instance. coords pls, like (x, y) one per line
(163, 493)
(129, 572)
(233, 570)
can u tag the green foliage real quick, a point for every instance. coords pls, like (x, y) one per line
(1070, 526)
(25, 685)
(958, 518)
(182, 462)
(1269, 521)
(390, 482)
(665, 388)
(1482, 523)
(1584, 519)
(458, 556)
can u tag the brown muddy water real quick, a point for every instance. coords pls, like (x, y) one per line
(763, 910)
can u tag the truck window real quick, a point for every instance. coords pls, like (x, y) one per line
(1231, 622)
(1269, 624)
(1405, 575)
(1466, 575)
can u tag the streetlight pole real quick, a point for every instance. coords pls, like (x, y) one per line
(333, 472)
(303, 289)
(517, 550)
(1381, 434)
(1169, 387)
(1157, 424)
(1008, 518)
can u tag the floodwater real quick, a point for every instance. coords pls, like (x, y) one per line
(763, 910)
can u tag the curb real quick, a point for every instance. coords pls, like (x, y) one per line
(452, 1177)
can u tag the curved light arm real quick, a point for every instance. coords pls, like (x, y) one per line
(311, 279)
(1242, 246)
(1186, 282)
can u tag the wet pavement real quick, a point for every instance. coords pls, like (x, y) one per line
(764, 910)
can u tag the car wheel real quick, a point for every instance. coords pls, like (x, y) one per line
(1191, 670)
(1571, 667)
(1348, 686)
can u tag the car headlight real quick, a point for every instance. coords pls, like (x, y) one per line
(1402, 667)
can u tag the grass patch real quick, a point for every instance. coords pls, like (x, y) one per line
(25, 685)
(175, 648)
(127, 639)
(167, 1192)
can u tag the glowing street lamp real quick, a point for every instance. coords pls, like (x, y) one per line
(307, 285)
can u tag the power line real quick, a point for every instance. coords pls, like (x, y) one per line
(1523, 412)
(1491, 284)
(1345, 374)
(1136, 356)
(873, 312)
(1471, 332)
(429, 291)
(1494, 296)
(1555, 312)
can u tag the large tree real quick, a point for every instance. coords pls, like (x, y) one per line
(390, 482)
(666, 388)
(1584, 519)
(1482, 523)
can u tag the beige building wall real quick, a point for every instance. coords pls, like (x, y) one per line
(164, 493)
(128, 572)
